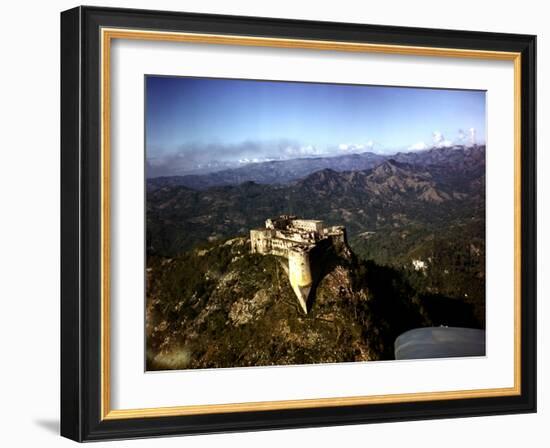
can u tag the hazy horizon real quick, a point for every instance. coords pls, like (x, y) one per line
(201, 125)
(217, 167)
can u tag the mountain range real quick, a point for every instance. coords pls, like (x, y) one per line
(429, 190)
(415, 223)
(284, 171)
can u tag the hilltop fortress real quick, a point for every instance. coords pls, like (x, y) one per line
(301, 242)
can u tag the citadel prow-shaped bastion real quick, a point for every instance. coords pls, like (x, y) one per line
(297, 240)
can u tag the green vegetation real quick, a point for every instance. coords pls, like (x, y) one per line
(219, 306)
(417, 232)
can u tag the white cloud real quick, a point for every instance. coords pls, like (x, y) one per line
(197, 157)
(472, 136)
(310, 150)
(440, 141)
(302, 150)
(437, 137)
(467, 137)
(356, 147)
(419, 146)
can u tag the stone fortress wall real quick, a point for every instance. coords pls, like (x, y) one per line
(294, 239)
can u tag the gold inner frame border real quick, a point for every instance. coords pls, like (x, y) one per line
(107, 35)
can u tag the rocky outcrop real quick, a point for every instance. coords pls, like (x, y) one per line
(248, 315)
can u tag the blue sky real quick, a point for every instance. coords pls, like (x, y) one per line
(203, 124)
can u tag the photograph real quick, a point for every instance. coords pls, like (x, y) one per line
(291, 220)
(295, 223)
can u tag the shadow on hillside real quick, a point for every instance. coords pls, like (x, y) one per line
(323, 260)
(394, 307)
(443, 310)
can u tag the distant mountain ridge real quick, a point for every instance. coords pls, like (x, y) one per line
(286, 171)
(388, 180)
(393, 193)
(271, 172)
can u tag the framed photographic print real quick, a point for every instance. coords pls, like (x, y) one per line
(274, 223)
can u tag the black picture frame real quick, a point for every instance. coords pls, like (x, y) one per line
(81, 208)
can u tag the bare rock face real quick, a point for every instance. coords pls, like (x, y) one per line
(247, 314)
(243, 311)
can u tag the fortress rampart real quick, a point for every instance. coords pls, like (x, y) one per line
(295, 239)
